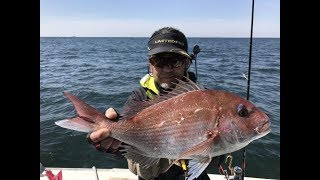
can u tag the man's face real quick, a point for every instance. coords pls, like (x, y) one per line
(166, 67)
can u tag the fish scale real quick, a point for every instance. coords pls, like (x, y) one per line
(175, 134)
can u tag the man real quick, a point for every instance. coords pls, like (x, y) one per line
(168, 60)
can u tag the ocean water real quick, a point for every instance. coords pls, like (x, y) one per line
(104, 71)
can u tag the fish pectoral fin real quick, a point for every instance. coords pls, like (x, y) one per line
(197, 166)
(138, 156)
(198, 151)
(203, 148)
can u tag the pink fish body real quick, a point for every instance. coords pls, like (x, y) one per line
(189, 122)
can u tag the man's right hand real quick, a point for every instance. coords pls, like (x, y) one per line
(100, 138)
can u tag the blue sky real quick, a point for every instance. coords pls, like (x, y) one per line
(140, 18)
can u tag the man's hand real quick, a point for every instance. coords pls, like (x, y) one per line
(101, 139)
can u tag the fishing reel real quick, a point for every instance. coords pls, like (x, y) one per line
(195, 50)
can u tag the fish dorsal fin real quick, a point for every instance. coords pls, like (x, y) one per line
(181, 86)
(138, 156)
(134, 106)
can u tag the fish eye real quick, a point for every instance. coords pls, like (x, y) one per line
(242, 110)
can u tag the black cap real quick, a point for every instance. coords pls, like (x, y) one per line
(169, 42)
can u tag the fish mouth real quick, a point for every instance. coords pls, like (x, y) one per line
(263, 129)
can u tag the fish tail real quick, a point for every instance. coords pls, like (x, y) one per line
(87, 119)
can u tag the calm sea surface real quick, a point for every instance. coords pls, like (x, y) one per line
(104, 71)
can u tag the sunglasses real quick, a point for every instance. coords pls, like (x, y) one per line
(171, 62)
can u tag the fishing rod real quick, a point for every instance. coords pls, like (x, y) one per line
(196, 49)
(248, 88)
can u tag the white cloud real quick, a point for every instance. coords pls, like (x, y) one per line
(142, 28)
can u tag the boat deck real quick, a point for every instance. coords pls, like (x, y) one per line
(109, 174)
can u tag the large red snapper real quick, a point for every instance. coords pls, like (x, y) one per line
(189, 122)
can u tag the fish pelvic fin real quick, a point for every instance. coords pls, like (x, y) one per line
(197, 166)
(138, 156)
(87, 117)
